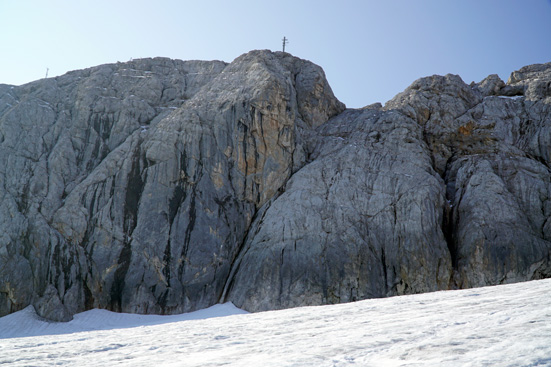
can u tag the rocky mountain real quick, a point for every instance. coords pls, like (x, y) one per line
(166, 186)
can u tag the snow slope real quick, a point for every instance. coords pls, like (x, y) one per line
(27, 323)
(507, 325)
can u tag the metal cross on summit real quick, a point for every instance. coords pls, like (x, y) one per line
(285, 41)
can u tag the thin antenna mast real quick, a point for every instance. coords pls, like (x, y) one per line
(285, 41)
(47, 69)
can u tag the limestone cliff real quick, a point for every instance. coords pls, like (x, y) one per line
(164, 186)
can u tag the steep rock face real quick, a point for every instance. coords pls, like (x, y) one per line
(352, 224)
(144, 177)
(163, 186)
(55, 134)
(448, 186)
(493, 152)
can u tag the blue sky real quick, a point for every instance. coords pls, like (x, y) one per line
(370, 50)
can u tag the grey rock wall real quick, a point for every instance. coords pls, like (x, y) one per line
(445, 187)
(164, 186)
(354, 223)
(131, 186)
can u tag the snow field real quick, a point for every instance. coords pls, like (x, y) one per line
(507, 325)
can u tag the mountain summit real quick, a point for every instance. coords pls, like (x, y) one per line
(165, 186)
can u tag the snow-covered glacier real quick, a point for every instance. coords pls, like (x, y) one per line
(505, 325)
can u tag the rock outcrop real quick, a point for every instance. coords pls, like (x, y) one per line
(164, 186)
(446, 187)
(354, 223)
(131, 186)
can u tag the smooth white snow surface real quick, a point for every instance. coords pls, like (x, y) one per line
(507, 325)
(27, 323)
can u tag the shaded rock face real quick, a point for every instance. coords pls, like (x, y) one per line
(164, 186)
(493, 153)
(354, 223)
(447, 186)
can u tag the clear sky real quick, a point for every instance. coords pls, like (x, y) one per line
(370, 50)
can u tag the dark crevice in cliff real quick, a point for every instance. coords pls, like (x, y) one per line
(385, 271)
(439, 145)
(23, 202)
(242, 249)
(102, 125)
(88, 296)
(243, 131)
(448, 231)
(449, 223)
(191, 185)
(133, 195)
(189, 228)
(163, 301)
(167, 261)
(118, 285)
